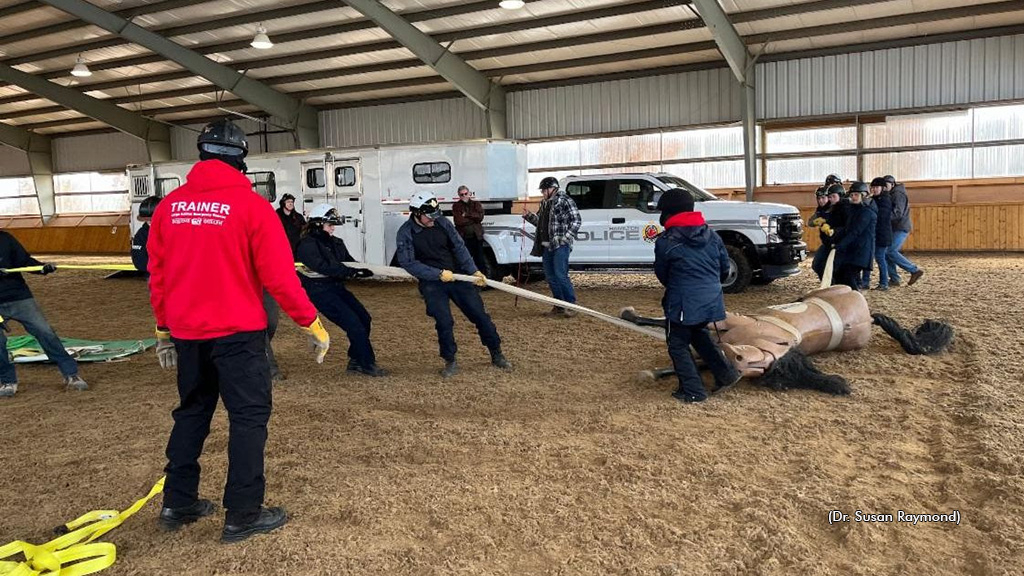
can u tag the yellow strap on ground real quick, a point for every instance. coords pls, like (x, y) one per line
(75, 553)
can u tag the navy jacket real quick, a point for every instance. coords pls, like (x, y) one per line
(140, 258)
(14, 255)
(406, 252)
(900, 209)
(883, 233)
(690, 260)
(324, 254)
(853, 242)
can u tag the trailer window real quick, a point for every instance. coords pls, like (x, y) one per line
(315, 178)
(432, 173)
(165, 186)
(344, 176)
(264, 184)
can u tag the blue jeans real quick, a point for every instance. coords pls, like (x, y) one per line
(894, 258)
(467, 297)
(31, 317)
(556, 271)
(883, 266)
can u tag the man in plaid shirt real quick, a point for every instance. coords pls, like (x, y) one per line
(557, 222)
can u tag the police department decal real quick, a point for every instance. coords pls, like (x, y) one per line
(837, 516)
(651, 232)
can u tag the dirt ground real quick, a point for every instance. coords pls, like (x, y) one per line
(569, 464)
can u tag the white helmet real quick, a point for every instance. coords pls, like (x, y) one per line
(324, 214)
(425, 203)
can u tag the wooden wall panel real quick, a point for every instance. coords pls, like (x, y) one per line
(75, 240)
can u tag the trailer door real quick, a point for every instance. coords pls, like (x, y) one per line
(346, 183)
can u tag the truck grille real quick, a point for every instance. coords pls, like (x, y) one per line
(791, 227)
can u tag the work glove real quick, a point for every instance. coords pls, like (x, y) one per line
(447, 276)
(827, 230)
(319, 339)
(166, 353)
(817, 221)
(3, 324)
(48, 268)
(361, 273)
(481, 280)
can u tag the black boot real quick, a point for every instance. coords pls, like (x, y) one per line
(267, 520)
(372, 370)
(451, 368)
(173, 518)
(498, 359)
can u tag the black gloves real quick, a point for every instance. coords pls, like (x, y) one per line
(361, 273)
(48, 269)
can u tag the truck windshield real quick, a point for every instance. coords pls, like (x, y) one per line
(699, 194)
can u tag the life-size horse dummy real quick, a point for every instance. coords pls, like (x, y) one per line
(772, 344)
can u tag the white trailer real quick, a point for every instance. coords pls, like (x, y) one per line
(370, 187)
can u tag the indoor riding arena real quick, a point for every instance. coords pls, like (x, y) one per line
(754, 270)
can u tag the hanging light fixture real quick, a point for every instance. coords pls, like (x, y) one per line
(80, 70)
(261, 41)
(512, 4)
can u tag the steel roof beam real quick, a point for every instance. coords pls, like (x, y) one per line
(75, 24)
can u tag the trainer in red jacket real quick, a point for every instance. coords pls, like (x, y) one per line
(214, 247)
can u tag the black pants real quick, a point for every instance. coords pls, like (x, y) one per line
(849, 275)
(467, 297)
(679, 338)
(820, 260)
(476, 251)
(341, 307)
(273, 316)
(234, 368)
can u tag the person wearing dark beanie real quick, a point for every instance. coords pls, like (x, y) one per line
(690, 260)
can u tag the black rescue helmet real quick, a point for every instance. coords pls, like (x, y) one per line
(832, 179)
(223, 137)
(880, 182)
(837, 189)
(148, 206)
(548, 182)
(889, 179)
(821, 192)
(859, 187)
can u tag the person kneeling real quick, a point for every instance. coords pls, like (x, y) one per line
(324, 257)
(691, 262)
(431, 249)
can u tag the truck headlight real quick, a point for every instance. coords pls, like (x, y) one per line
(770, 226)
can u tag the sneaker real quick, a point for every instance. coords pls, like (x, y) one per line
(881, 288)
(173, 518)
(373, 370)
(894, 282)
(268, 520)
(8, 390)
(451, 368)
(687, 398)
(915, 277)
(567, 313)
(498, 359)
(555, 312)
(75, 383)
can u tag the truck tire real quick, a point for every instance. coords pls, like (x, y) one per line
(740, 271)
(494, 271)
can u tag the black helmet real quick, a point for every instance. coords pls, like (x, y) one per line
(859, 187)
(833, 179)
(224, 138)
(880, 182)
(148, 206)
(548, 182)
(889, 179)
(821, 192)
(837, 189)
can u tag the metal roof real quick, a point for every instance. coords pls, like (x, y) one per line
(329, 55)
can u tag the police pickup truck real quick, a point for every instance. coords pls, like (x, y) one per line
(620, 225)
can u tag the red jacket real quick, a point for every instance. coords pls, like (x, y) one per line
(214, 245)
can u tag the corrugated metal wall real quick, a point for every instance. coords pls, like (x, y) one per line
(428, 121)
(111, 151)
(965, 72)
(685, 99)
(13, 162)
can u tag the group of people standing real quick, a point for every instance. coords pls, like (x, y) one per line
(865, 225)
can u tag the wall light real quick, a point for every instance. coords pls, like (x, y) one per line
(80, 70)
(261, 41)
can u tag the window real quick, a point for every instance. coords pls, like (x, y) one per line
(812, 140)
(587, 194)
(315, 178)
(18, 197)
(810, 170)
(265, 184)
(345, 176)
(165, 186)
(86, 192)
(432, 173)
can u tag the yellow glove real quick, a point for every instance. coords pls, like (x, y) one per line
(447, 276)
(817, 221)
(319, 339)
(827, 230)
(166, 353)
(481, 280)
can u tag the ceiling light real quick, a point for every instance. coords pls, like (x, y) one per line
(261, 40)
(512, 4)
(80, 69)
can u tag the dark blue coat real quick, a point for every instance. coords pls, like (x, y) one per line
(883, 232)
(854, 242)
(691, 262)
(140, 257)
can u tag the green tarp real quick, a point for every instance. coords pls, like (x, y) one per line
(27, 349)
